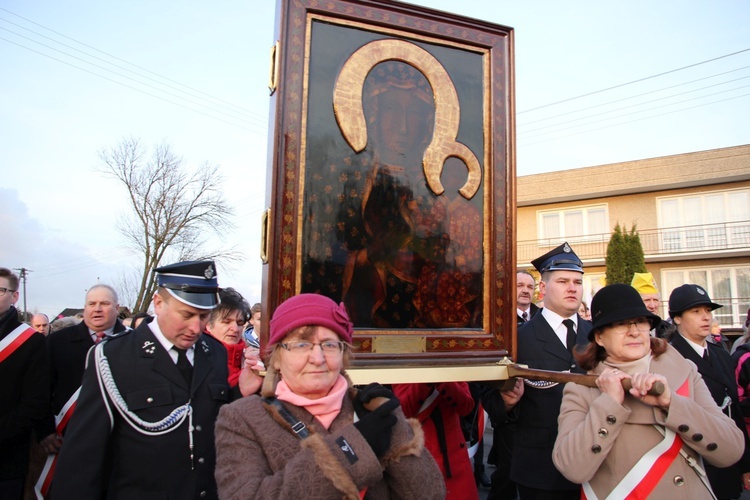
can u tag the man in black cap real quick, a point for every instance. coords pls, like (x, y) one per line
(144, 422)
(546, 342)
(690, 309)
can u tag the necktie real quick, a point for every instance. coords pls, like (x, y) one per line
(571, 337)
(99, 337)
(525, 316)
(183, 364)
(705, 356)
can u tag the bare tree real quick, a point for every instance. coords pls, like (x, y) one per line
(174, 209)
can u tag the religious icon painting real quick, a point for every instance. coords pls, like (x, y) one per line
(392, 176)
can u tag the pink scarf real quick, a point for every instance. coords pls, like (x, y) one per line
(325, 409)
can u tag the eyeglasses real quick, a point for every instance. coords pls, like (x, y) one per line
(3, 291)
(329, 347)
(621, 327)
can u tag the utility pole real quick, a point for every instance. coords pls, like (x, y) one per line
(23, 274)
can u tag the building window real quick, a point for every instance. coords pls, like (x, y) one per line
(578, 224)
(705, 221)
(728, 286)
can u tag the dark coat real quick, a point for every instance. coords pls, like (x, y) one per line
(719, 378)
(67, 355)
(24, 396)
(539, 347)
(67, 350)
(532, 312)
(125, 462)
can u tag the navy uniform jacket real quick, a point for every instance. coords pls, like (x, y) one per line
(24, 395)
(126, 463)
(539, 347)
(719, 378)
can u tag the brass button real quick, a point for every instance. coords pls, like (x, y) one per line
(683, 428)
(198, 428)
(149, 400)
(711, 446)
(201, 460)
(678, 480)
(603, 432)
(697, 437)
(596, 448)
(611, 420)
(203, 494)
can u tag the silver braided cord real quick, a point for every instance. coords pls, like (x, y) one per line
(108, 386)
(540, 384)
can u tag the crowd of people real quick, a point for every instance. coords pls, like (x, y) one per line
(182, 403)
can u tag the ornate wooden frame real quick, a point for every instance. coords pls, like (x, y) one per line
(325, 49)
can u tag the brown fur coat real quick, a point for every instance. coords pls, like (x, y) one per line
(259, 457)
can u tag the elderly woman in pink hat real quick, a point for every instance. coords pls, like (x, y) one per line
(310, 433)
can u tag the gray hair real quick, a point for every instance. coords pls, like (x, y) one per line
(111, 290)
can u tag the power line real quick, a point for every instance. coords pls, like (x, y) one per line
(130, 86)
(632, 97)
(123, 60)
(632, 82)
(242, 111)
(636, 120)
(643, 103)
(116, 73)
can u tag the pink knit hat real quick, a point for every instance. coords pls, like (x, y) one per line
(310, 309)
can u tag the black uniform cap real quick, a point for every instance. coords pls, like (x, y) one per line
(193, 282)
(562, 258)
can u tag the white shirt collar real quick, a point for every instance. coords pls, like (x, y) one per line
(696, 347)
(554, 320)
(166, 344)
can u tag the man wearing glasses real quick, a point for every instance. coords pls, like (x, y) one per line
(24, 393)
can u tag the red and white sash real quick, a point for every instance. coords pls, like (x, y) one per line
(61, 422)
(481, 419)
(648, 471)
(14, 340)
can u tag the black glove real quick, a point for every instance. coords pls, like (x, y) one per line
(377, 426)
(367, 394)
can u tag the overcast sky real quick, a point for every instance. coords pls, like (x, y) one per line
(78, 76)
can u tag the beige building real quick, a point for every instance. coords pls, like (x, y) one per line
(692, 212)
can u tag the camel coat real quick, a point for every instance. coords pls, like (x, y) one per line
(258, 456)
(600, 440)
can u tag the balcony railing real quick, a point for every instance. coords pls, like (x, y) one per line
(657, 243)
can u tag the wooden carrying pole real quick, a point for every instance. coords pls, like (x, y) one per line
(500, 373)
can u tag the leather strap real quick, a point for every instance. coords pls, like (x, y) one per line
(297, 427)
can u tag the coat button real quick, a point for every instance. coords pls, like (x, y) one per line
(198, 428)
(711, 446)
(201, 460)
(611, 420)
(603, 432)
(203, 494)
(678, 480)
(149, 400)
(697, 437)
(683, 428)
(596, 448)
